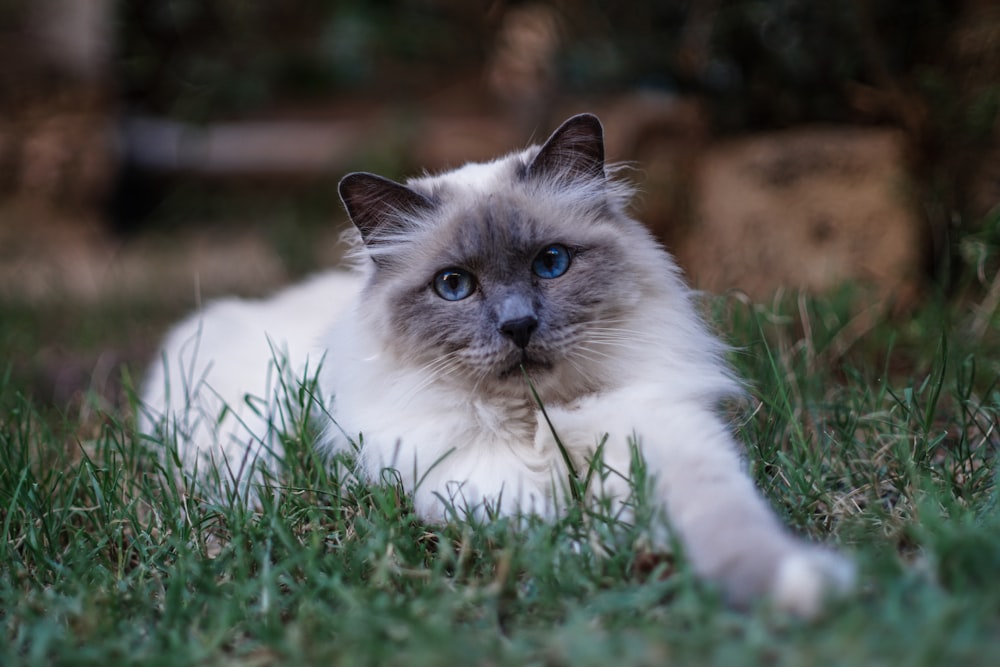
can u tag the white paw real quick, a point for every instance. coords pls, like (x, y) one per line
(808, 577)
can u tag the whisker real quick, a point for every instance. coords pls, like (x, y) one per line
(590, 354)
(619, 344)
(434, 370)
(621, 333)
(581, 369)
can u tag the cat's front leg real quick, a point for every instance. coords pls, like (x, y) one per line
(728, 531)
(733, 538)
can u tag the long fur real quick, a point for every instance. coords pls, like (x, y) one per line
(433, 389)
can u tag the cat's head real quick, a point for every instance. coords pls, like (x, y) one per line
(527, 261)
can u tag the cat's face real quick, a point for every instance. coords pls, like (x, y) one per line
(519, 264)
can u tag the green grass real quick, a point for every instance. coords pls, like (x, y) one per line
(880, 437)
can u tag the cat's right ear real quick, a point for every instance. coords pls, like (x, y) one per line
(378, 207)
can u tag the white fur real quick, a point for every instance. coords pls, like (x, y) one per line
(456, 449)
(216, 387)
(468, 452)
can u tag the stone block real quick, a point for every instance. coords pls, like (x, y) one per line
(808, 208)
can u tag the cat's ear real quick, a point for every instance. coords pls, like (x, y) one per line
(575, 151)
(378, 206)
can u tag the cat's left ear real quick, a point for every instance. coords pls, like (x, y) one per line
(378, 207)
(575, 151)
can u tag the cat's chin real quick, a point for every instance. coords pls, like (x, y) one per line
(526, 363)
(550, 382)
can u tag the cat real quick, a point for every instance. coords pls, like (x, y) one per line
(477, 290)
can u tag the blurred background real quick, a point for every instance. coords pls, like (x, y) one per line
(154, 154)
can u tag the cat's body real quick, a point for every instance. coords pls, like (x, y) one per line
(527, 266)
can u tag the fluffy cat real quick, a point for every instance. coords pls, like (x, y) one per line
(527, 262)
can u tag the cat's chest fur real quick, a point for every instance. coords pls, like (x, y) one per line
(446, 439)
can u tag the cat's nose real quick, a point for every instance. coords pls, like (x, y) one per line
(519, 330)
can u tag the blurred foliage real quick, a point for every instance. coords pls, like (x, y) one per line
(756, 64)
(199, 59)
(761, 63)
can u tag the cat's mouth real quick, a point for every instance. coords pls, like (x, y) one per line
(526, 362)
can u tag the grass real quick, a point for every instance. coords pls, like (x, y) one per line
(880, 437)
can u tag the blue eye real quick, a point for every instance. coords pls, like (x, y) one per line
(551, 262)
(454, 284)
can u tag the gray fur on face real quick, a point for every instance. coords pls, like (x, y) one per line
(557, 194)
(498, 244)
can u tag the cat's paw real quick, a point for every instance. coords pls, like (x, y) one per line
(808, 577)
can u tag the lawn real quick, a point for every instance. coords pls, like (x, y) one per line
(877, 435)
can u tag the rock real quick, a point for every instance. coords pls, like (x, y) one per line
(808, 208)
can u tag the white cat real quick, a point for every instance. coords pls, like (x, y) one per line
(472, 280)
